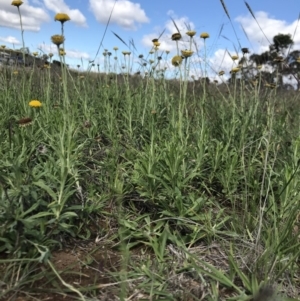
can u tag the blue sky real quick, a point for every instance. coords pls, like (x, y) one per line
(143, 20)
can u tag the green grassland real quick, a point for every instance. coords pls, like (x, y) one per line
(117, 186)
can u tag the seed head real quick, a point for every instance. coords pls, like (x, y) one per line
(176, 60)
(176, 36)
(187, 53)
(57, 39)
(24, 121)
(235, 70)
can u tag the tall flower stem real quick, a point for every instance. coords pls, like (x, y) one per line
(22, 34)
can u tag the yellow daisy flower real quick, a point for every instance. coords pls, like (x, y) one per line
(191, 33)
(204, 35)
(17, 3)
(61, 17)
(35, 104)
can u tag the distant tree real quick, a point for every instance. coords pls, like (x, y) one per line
(282, 42)
(279, 57)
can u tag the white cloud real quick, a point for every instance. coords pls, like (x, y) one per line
(32, 17)
(10, 40)
(70, 53)
(76, 54)
(270, 27)
(59, 6)
(124, 13)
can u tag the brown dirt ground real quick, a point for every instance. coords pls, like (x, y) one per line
(80, 266)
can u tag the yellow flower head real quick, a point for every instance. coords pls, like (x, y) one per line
(235, 70)
(204, 35)
(115, 48)
(62, 51)
(176, 60)
(235, 57)
(191, 33)
(35, 104)
(221, 72)
(17, 3)
(156, 44)
(57, 39)
(50, 54)
(15, 72)
(35, 53)
(298, 60)
(3, 46)
(176, 36)
(187, 53)
(126, 53)
(61, 17)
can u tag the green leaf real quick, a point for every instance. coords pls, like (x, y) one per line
(42, 185)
